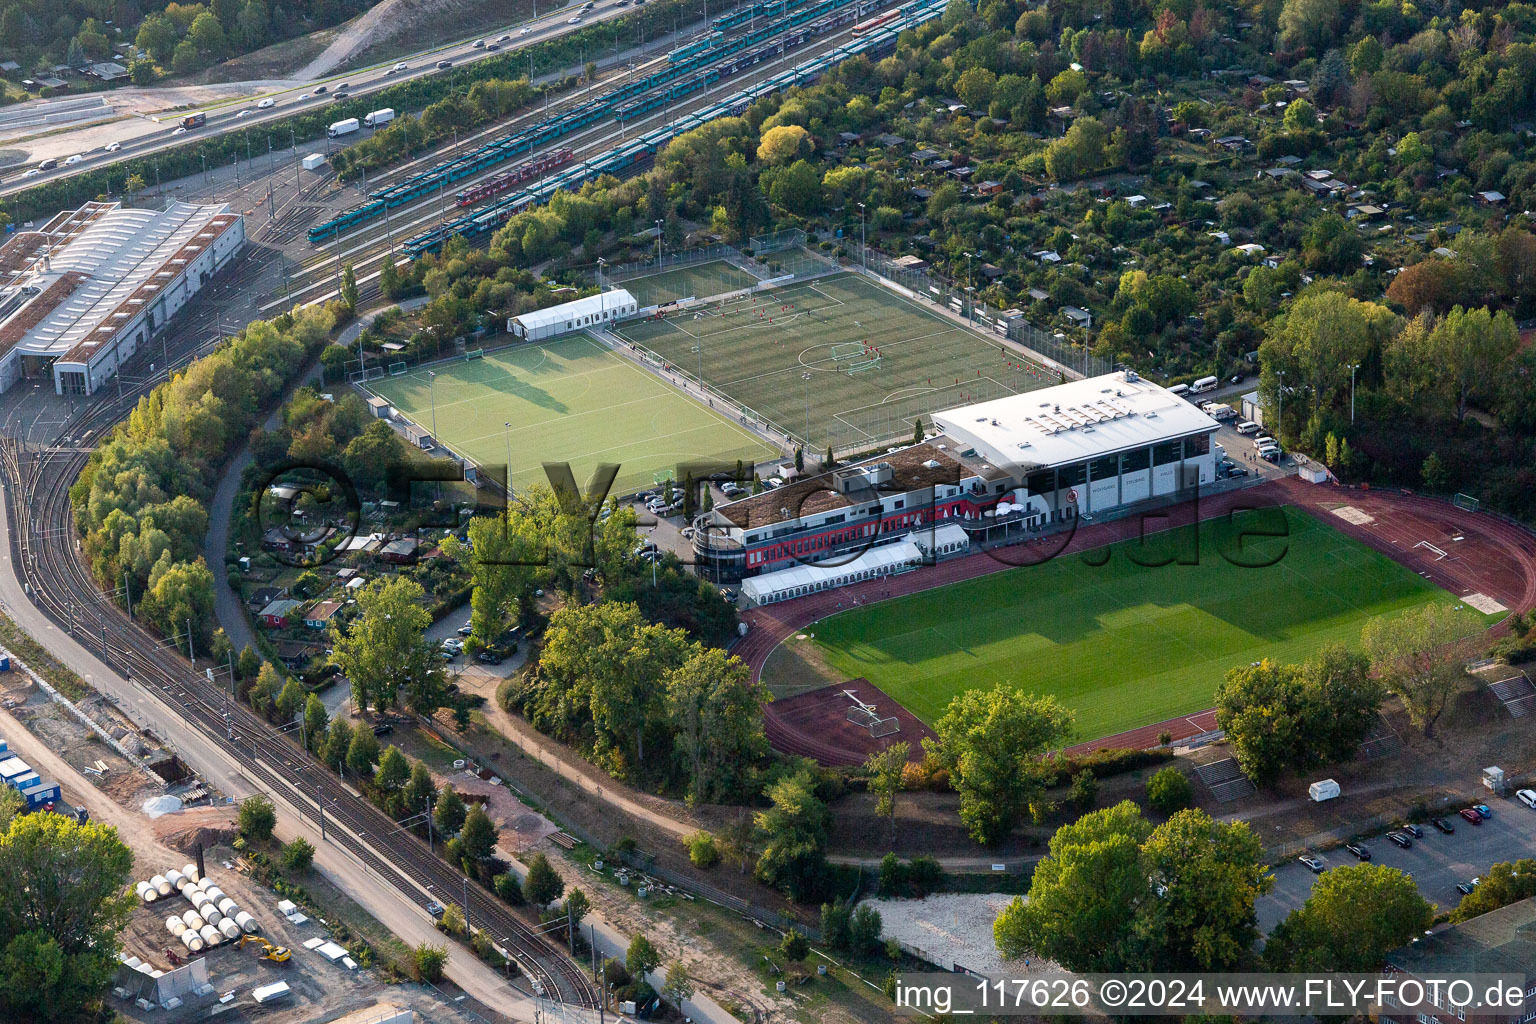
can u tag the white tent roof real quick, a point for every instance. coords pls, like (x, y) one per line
(612, 300)
(949, 533)
(770, 585)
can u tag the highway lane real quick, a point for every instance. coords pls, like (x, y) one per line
(143, 136)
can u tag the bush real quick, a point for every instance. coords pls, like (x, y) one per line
(794, 948)
(893, 875)
(509, 888)
(702, 850)
(864, 929)
(1169, 791)
(835, 919)
(543, 885)
(924, 874)
(257, 818)
(427, 963)
(1106, 762)
(1085, 790)
(452, 920)
(298, 855)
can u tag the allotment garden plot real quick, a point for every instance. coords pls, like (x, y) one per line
(839, 361)
(571, 400)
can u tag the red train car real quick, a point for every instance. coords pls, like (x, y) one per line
(873, 23)
(499, 183)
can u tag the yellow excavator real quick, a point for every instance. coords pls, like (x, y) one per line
(277, 954)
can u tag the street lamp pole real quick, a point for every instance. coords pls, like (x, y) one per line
(806, 376)
(1352, 368)
(1280, 408)
(508, 426)
(432, 394)
(863, 245)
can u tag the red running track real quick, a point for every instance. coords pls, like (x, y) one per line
(1479, 553)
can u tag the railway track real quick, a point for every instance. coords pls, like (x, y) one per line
(36, 489)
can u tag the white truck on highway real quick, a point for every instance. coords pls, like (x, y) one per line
(380, 118)
(341, 128)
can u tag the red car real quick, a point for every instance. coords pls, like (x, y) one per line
(1472, 816)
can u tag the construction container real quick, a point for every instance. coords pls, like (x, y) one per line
(192, 940)
(246, 922)
(193, 920)
(161, 885)
(313, 161)
(47, 793)
(229, 929)
(228, 907)
(5, 748)
(189, 872)
(22, 783)
(210, 935)
(10, 767)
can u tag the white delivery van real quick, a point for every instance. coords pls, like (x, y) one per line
(1179, 389)
(379, 118)
(1203, 384)
(340, 128)
(1247, 427)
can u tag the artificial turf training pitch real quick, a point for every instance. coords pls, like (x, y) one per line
(1123, 645)
(694, 281)
(837, 361)
(571, 400)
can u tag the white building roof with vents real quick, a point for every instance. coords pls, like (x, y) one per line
(117, 253)
(1071, 422)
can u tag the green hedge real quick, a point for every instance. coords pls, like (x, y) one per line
(590, 41)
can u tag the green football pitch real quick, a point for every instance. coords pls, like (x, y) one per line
(1121, 644)
(570, 400)
(837, 361)
(697, 281)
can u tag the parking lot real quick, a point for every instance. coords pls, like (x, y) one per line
(1436, 862)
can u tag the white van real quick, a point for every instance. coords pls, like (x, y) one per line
(1204, 384)
(1179, 389)
(1247, 428)
(1264, 440)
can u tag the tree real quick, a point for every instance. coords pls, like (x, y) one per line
(975, 86)
(478, 835)
(678, 985)
(796, 188)
(290, 701)
(714, 708)
(1501, 885)
(362, 752)
(864, 928)
(885, 772)
(542, 885)
(427, 963)
(419, 792)
(1316, 340)
(207, 34)
(264, 692)
(1205, 876)
(642, 957)
(349, 287)
(248, 663)
(1420, 656)
(449, 815)
(794, 832)
(338, 741)
(1433, 472)
(389, 279)
(783, 144)
(257, 818)
(1300, 116)
(990, 741)
(1461, 357)
(1355, 916)
(298, 855)
(793, 947)
(394, 772)
(509, 888)
(185, 60)
(1332, 245)
(1431, 285)
(158, 35)
(67, 884)
(1308, 23)
(385, 648)
(835, 921)
(1169, 791)
(1292, 717)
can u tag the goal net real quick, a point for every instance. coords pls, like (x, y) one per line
(870, 720)
(1466, 501)
(399, 369)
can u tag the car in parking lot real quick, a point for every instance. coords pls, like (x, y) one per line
(454, 644)
(1527, 797)
(436, 909)
(1442, 825)
(1483, 811)
(490, 656)
(383, 729)
(1359, 851)
(1413, 830)
(1402, 839)
(466, 629)
(1470, 815)
(1313, 864)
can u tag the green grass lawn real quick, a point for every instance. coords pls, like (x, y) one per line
(785, 355)
(570, 400)
(1121, 644)
(697, 281)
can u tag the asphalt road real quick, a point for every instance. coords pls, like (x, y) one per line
(139, 136)
(1437, 862)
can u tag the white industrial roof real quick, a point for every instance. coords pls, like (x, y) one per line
(116, 254)
(770, 585)
(1071, 422)
(593, 305)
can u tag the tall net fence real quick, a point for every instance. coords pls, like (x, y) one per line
(1076, 359)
